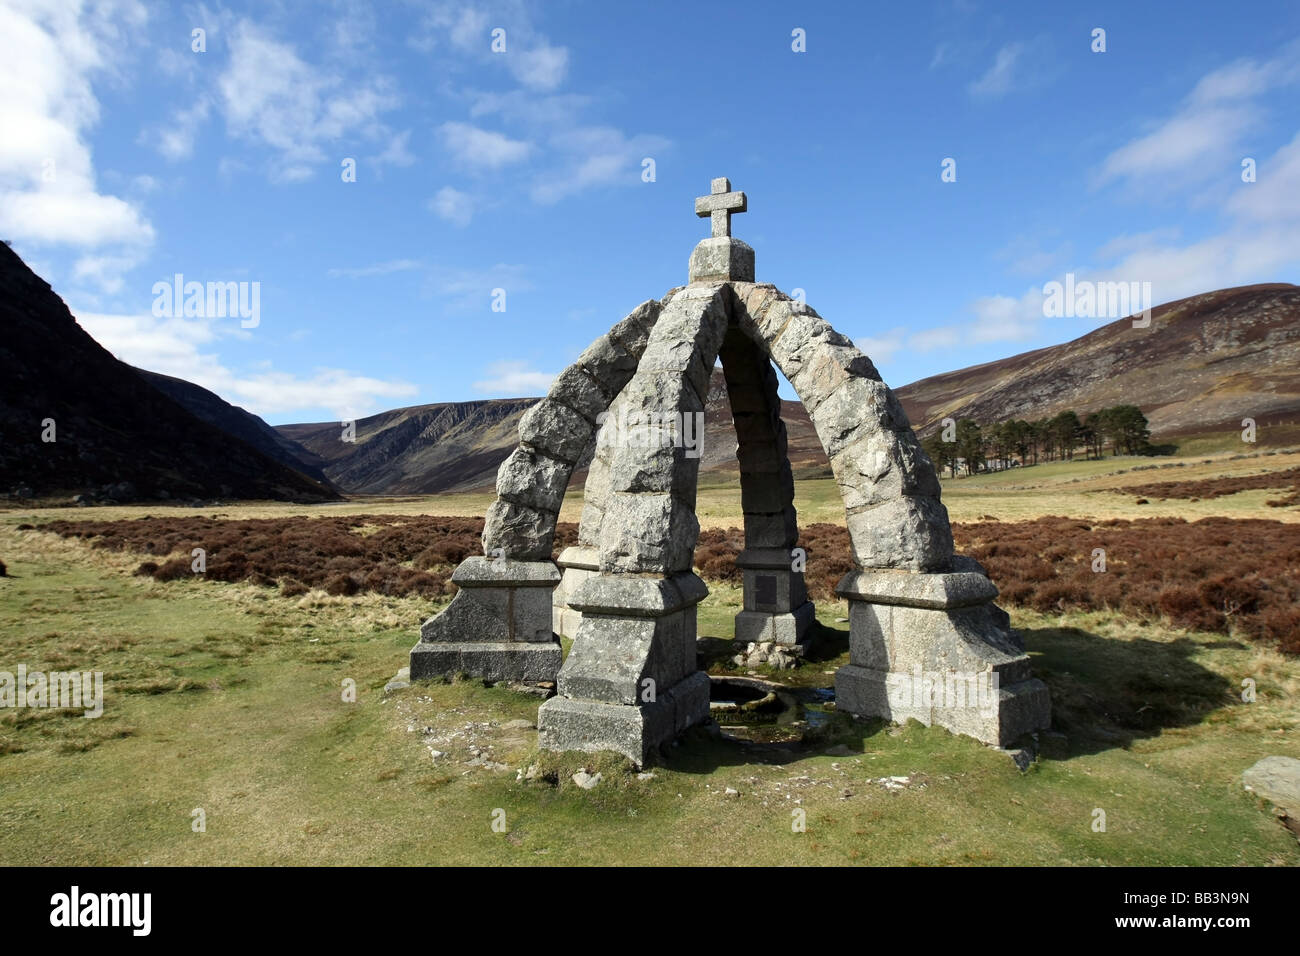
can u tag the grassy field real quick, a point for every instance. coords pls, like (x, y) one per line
(230, 699)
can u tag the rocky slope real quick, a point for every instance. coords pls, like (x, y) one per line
(450, 446)
(233, 420)
(1204, 363)
(114, 434)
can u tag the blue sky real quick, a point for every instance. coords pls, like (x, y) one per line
(127, 157)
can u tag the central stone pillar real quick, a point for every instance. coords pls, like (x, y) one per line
(776, 600)
(934, 647)
(630, 682)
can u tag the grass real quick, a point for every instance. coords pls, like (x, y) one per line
(228, 698)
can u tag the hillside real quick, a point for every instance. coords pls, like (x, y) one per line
(458, 446)
(233, 420)
(1205, 363)
(114, 433)
(450, 446)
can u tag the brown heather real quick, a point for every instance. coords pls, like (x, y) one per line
(1218, 487)
(1225, 575)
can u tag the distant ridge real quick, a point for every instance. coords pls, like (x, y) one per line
(1205, 363)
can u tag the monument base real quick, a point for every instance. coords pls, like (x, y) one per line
(490, 660)
(589, 725)
(935, 648)
(993, 715)
(631, 682)
(498, 626)
(786, 629)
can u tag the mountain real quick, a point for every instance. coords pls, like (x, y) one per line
(451, 446)
(233, 420)
(113, 432)
(1204, 363)
(458, 446)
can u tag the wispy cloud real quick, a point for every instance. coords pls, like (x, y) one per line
(594, 156)
(1206, 132)
(997, 80)
(478, 148)
(467, 291)
(272, 97)
(184, 348)
(514, 379)
(453, 206)
(378, 269)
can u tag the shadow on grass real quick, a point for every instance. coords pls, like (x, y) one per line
(705, 749)
(1107, 693)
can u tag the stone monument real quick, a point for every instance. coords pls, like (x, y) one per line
(926, 641)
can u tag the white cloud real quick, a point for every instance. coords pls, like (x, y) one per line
(175, 138)
(594, 156)
(1260, 238)
(529, 56)
(397, 152)
(51, 54)
(469, 291)
(175, 347)
(1026, 256)
(1199, 137)
(1206, 132)
(513, 379)
(453, 205)
(480, 148)
(1001, 318)
(554, 111)
(1124, 245)
(881, 349)
(270, 96)
(927, 340)
(1275, 195)
(379, 269)
(997, 79)
(1246, 78)
(564, 154)
(106, 272)
(540, 68)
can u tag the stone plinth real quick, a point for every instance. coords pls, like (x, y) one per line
(776, 606)
(630, 682)
(935, 648)
(577, 564)
(498, 626)
(722, 258)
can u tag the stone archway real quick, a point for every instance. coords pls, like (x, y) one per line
(921, 618)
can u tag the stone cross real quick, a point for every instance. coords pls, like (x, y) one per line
(720, 205)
